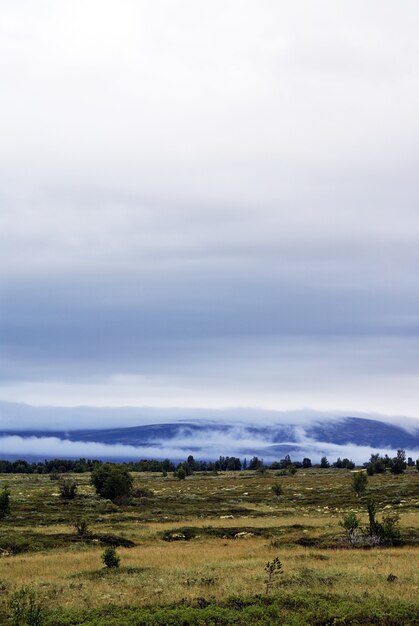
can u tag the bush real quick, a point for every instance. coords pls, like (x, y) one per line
(390, 530)
(26, 608)
(385, 532)
(4, 501)
(272, 569)
(180, 473)
(110, 557)
(277, 490)
(112, 481)
(359, 482)
(68, 489)
(350, 523)
(376, 467)
(82, 527)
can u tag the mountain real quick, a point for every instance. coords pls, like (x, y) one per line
(352, 437)
(348, 430)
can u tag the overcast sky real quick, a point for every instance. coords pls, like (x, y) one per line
(210, 204)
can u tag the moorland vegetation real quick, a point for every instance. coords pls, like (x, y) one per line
(290, 544)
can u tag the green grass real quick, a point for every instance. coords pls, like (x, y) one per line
(293, 610)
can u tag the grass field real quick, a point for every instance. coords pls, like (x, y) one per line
(200, 547)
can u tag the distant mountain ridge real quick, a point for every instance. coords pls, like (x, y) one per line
(209, 438)
(349, 430)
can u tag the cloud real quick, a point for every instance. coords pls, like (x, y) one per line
(207, 445)
(210, 205)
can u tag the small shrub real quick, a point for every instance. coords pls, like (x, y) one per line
(350, 523)
(110, 557)
(82, 528)
(277, 490)
(26, 608)
(390, 531)
(68, 489)
(272, 569)
(180, 473)
(4, 501)
(359, 482)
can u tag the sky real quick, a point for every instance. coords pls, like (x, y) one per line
(210, 204)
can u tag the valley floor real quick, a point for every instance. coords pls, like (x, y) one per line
(200, 550)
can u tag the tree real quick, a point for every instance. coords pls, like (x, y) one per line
(286, 461)
(374, 527)
(344, 463)
(376, 465)
(359, 482)
(4, 501)
(255, 463)
(398, 464)
(112, 481)
(324, 463)
(306, 462)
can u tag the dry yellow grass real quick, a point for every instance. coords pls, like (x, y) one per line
(168, 572)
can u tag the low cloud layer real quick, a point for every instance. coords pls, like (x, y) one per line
(298, 435)
(206, 447)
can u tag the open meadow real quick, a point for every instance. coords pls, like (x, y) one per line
(195, 551)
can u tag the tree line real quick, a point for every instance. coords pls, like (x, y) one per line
(377, 464)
